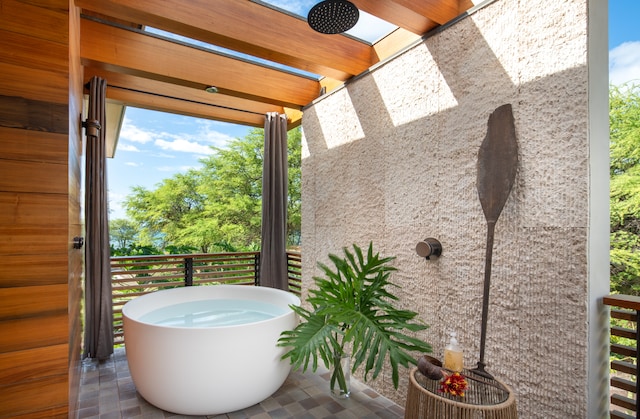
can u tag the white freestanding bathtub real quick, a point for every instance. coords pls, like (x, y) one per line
(206, 350)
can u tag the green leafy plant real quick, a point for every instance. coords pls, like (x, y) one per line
(352, 308)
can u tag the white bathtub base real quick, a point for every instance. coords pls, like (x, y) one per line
(207, 371)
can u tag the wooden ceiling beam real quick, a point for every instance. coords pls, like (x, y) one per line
(135, 53)
(247, 27)
(440, 11)
(127, 81)
(146, 71)
(150, 101)
(394, 42)
(397, 14)
(144, 93)
(162, 89)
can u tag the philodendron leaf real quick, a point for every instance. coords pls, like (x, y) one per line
(312, 338)
(352, 305)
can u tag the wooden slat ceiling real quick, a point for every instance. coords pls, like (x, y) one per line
(153, 72)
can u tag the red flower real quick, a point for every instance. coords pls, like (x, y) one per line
(454, 384)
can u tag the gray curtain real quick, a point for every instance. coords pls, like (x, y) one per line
(275, 183)
(98, 338)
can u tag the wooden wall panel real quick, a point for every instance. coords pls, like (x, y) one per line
(74, 350)
(26, 176)
(42, 85)
(17, 145)
(33, 240)
(32, 114)
(42, 20)
(22, 302)
(57, 412)
(35, 53)
(33, 332)
(24, 398)
(32, 364)
(32, 209)
(40, 277)
(33, 269)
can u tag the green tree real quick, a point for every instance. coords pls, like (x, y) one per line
(624, 127)
(122, 232)
(232, 183)
(231, 179)
(162, 214)
(294, 210)
(218, 206)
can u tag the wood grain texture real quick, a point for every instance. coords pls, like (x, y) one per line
(36, 84)
(625, 301)
(440, 11)
(37, 115)
(33, 269)
(34, 332)
(34, 52)
(388, 46)
(44, 20)
(40, 154)
(189, 107)
(398, 15)
(134, 53)
(49, 396)
(33, 364)
(24, 209)
(24, 144)
(248, 28)
(34, 240)
(23, 302)
(24, 176)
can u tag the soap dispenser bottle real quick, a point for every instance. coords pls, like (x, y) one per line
(453, 355)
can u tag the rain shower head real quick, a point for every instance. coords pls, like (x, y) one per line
(333, 16)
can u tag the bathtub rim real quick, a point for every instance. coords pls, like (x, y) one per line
(133, 303)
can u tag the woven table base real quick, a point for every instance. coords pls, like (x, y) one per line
(425, 403)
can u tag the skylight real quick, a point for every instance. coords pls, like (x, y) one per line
(369, 29)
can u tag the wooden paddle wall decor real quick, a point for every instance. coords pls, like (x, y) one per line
(497, 166)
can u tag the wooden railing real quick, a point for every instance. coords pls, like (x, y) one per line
(294, 270)
(133, 276)
(625, 335)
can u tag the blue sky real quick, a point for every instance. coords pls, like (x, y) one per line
(154, 146)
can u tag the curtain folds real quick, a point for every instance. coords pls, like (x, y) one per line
(98, 338)
(275, 184)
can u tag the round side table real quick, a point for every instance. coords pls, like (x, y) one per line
(485, 398)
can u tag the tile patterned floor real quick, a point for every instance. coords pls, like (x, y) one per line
(107, 392)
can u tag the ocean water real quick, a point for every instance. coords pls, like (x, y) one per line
(212, 313)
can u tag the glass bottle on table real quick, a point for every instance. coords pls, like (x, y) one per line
(453, 356)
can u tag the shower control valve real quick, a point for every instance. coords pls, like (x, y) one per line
(429, 247)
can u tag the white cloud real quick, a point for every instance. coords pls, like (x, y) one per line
(624, 63)
(133, 164)
(132, 133)
(210, 135)
(128, 147)
(174, 169)
(183, 145)
(204, 134)
(164, 155)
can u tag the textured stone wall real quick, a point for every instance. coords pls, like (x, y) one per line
(391, 158)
